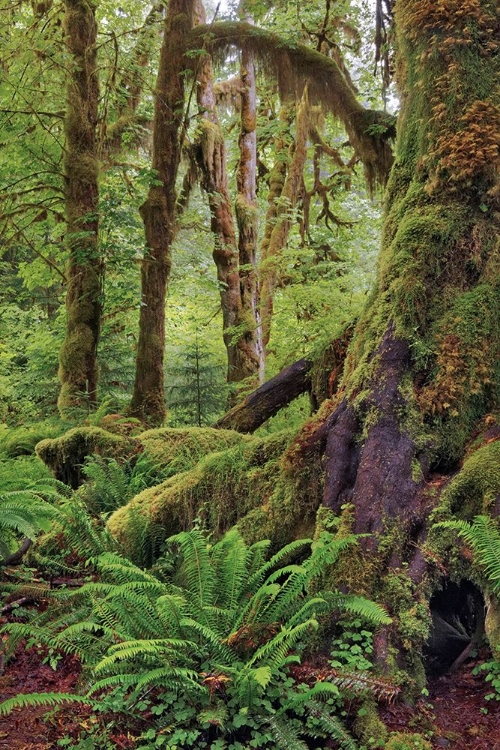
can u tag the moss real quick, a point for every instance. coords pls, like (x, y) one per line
(492, 623)
(368, 727)
(476, 486)
(180, 449)
(65, 455)
(407, 741)
(223, 488)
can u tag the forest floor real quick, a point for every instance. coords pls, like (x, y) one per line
(455, 714)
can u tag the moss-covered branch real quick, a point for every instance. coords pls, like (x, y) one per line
(294, 65)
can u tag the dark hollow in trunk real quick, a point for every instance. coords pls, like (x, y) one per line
(458, 613)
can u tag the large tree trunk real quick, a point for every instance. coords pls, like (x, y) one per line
(159, 215)
(78, 355)
(423, 369)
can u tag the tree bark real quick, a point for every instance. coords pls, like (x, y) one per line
(237, 282)
(252, 353)
(159, 215)
(78, 356)
(268, 399)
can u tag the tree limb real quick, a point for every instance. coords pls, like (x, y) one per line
(267, 400)
(294, 65)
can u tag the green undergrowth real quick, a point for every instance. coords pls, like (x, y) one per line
(21, 440)
(65, 455)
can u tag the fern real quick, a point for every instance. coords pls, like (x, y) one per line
(226, 627)
(25, 513)
(284, 736)
(28, 700)
(331, 725)
(484, 538)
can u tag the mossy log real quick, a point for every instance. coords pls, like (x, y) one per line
(175, 449)
(267, 400)
(66, 455)
(243, 485)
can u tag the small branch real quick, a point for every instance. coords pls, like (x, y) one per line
(17, 557)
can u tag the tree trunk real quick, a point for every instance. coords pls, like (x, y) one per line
(78, 355)
(280, 218)
(422, 374)
(252, 354)
(159, 215)
(237, 289)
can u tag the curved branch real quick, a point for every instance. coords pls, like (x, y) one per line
(17, 556)
(294, 65)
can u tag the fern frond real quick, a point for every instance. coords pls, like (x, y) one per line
(196, 565)
(210, 638)
(374, 613)
(284, 735)
(29, 700)
(274, 651)
(293, 548)
(331, 725)
(484, 538)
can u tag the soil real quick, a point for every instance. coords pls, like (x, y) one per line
(455, 715)
(456, 712)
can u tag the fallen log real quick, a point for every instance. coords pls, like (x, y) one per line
(268, 399)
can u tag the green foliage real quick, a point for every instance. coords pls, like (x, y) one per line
(484, 538)
(196, 392)
(407, 741)
(352, 650)
(21, 441)
(25, 513)
(207, 651)
(109, 483)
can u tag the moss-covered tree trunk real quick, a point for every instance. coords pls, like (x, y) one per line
(280, 214)
(78, 356)
(421, 381)
(237, 288)
(159, 214)
(252, 353)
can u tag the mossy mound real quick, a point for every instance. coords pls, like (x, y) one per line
(243, 484)
(65, 455)
(175, 449)
(179, 449)
(21, 441)
(476, 487)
